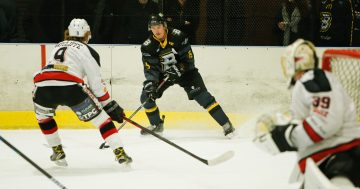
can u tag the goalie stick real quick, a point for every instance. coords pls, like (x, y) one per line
(103, 145)
(33, 163)
(211, 162)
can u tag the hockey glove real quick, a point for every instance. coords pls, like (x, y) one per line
(173, 73)
(281, 136)
(114, 110)
(150, 88)
(273, 133)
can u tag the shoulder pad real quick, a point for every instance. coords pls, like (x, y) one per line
(94, 54)
(176, 32)
(146, 42)
(316, 81)
(178, 37)
(148, 47)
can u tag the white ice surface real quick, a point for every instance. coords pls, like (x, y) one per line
(156, 165)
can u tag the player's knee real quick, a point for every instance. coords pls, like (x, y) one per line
(101, 119)
(48, 125)
(205, 99)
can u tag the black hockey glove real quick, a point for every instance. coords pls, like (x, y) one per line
(281, 136)
(114, 110)
(173, 73)
(150, 88)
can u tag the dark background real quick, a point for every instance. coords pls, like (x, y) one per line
(216, 22)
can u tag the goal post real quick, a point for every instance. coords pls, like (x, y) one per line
(345, 64)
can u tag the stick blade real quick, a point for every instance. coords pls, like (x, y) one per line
(222, 158)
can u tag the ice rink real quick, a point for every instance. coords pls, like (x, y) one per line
(155, 164)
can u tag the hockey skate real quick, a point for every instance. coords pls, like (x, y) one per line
(158, 129)
(58, 156)
(229, 130)
(121, 156)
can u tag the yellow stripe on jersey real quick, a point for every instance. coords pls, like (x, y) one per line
(212, 106)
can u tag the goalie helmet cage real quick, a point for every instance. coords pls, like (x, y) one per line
(345, 64)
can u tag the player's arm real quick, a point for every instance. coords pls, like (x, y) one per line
(324, 120)
(151, 63)
(183, 48)
(98, 88)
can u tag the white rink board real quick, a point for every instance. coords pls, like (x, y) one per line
(243, 79)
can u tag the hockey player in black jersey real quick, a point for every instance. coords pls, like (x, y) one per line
(168, 54)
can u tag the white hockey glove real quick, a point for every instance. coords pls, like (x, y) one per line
(276, 131)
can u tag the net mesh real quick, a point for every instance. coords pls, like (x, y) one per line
(346, 66)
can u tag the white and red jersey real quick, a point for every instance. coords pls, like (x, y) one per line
(328, 120)
(70, 63)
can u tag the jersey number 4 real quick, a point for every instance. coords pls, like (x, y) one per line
(59, 55)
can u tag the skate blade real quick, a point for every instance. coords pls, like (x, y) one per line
(61, 163)
(126, 166)
(230, 135)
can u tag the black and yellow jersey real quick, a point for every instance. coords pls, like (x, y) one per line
(153, 49)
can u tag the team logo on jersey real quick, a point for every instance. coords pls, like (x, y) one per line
(325, 18)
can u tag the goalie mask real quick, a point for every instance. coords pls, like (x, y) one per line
(299, 56)
(78, 28)
(156, 19)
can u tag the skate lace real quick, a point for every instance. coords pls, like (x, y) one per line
(120, 153)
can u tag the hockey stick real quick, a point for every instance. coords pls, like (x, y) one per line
(103, 145)
(220, 159)
(33, 163)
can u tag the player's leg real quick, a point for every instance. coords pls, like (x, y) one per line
(343, 168)
(196, 89)
(88, 108)
(152, 111)
(45, 111)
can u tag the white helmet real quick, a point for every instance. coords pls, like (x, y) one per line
(299, 56)
(78, 27)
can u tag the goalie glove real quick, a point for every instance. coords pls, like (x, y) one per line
(114, 110)
(277, 135)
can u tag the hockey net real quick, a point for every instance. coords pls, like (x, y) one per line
(345, 64)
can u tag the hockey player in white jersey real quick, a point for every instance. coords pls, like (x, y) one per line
(61, 82)
(323, 123)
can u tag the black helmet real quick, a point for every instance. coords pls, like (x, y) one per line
(156, 19)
